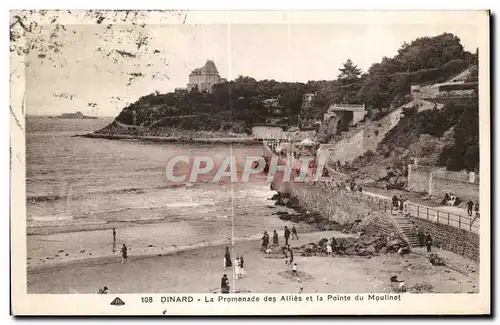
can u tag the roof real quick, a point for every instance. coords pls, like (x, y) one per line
(210, 67)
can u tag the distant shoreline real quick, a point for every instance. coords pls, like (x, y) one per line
(170, 139)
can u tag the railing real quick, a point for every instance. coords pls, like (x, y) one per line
(423, 212)
(414, 210)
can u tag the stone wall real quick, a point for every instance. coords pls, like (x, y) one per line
(465, 191)
(364, 138)
(347, 149)
(450, 238)
(419, 180)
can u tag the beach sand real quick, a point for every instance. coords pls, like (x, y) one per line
(198, 268)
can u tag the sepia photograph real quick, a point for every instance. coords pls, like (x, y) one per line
(249, 162)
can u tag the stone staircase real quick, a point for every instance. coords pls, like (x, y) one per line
(405, 225)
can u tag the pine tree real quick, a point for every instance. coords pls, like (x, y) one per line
(350, 81)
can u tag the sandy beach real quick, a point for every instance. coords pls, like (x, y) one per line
(198, 269)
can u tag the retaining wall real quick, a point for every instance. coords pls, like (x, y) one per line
(450, 238)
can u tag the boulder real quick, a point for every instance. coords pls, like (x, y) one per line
(404, 250)
(371, 249)
(285, 217)
(367, 251)
(364, 252)
(435, 259)
(393, 243)
(350, 250)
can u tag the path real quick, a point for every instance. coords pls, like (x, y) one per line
(453, 216)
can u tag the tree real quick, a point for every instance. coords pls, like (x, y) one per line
(350, 82)
(349, 72)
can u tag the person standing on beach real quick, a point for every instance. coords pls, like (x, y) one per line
(265, 241)
(275, 238)
(329, 249)
(290, 261)
(242, 270)
(103, 291)
(224, 284)
(114, 240)
(286, 235)
(294, 232)
(237, 267)
(300, 286)
(227, 259)
(428, 241)
(124, 253)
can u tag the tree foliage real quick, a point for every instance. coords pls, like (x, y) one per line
(461, 150)
(241, 100)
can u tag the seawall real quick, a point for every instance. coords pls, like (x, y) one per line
(170, 139)
(459, 241)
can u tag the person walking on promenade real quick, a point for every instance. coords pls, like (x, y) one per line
(124, 253)
(227, 259)
(405, 205)
(224, 284)
(401, 203)
(294, 232)
(428, 241)
(286, 235)
(476, 210)
(470, 204)
(395, 201)
(275, 238)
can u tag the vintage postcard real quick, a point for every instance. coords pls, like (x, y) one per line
(250, 162)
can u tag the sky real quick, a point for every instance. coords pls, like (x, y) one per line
(90, 76)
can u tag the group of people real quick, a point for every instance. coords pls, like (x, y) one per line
(353, 187)
(399, 203)
(103, 290)
(238, 269)
(288, 253)
(239, 264)
(330, 245)
(286, 233)
(123, 250)
(450, 199)
(423, 239)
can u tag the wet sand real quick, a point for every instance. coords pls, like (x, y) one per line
(54, 246)
(198, 269)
